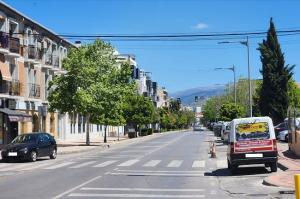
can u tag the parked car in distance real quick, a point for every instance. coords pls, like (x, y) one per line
(252, 141)
(217, 129)
(30, 147)
(224, 125)
(280, 127)
(283, 136)
(226, 133)
(199, 127)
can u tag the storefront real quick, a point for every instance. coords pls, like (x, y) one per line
(9, 121)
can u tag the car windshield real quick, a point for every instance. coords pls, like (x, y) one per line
(25, 139)
(252, 131)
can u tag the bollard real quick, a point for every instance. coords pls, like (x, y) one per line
(297, 185)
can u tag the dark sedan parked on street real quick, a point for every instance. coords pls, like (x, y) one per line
(30, 146)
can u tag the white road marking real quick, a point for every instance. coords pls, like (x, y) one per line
(175, 163)
(60, 165)
(198, 163)
(139, 189)
(149, 171)
(104, 164)
(16, 166)
(82, 164)
(158, 174)
(128, 163)
(38, 165)
(152, 163)
(133, 195)
(76, 187)
(221, 163)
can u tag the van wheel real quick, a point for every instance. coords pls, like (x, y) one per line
(273, 167)
(232, 167)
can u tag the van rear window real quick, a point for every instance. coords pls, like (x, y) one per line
(252, 131)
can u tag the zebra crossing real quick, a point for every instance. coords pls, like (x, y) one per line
(170, 164)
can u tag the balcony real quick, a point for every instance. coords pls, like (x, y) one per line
(10, 87)
(35, 55)
(55, 61)
(14, 46)
(48, 59)
(3, 42)
(34, 91)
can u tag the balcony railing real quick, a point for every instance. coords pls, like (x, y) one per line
(34, 90)
(34, 53)
(55, 61)
(3, 40)
(14, 45)
(48, 59)
(10, 87)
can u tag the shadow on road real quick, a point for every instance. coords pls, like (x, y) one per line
(241, 171)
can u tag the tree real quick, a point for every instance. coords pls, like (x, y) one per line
(138, 110)
(94, 86)
(273, 99)
(230, 111)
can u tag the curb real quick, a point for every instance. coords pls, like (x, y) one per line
(282, 166)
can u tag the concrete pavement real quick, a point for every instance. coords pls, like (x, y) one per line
(289, 163)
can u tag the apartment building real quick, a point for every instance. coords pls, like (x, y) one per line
(162, 98)
(30, 56)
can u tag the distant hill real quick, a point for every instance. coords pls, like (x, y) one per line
(188, 96)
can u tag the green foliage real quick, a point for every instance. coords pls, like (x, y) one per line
(139, 110)
(95, 85)
(170, 119)
(230, 111)
(273, 99)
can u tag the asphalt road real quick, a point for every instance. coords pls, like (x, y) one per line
(171, 165)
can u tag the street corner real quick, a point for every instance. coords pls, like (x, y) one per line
(283, 179)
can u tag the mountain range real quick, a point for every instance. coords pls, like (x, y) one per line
(188, 96)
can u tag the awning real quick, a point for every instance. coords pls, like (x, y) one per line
(16, 116)
(5, 71)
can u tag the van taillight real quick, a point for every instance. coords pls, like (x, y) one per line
(274, 145)
(231, 147)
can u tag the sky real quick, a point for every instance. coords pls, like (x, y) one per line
(177, 65)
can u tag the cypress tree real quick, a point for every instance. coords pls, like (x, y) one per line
(273, 100)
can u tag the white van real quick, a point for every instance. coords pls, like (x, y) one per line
(252, 141)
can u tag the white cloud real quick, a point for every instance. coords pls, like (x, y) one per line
(200, 26)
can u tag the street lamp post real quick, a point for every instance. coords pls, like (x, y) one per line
(234, 80)
(245, 43)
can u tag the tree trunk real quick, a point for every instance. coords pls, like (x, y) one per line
(88, 130)
(105, 129)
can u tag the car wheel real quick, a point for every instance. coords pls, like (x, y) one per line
(273, 167)
(287, 138)
(53, 154)
(33, 156)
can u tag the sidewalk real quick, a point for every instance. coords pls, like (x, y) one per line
(288, 162)
(78, 146)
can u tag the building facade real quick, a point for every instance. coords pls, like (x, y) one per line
(30, 56)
